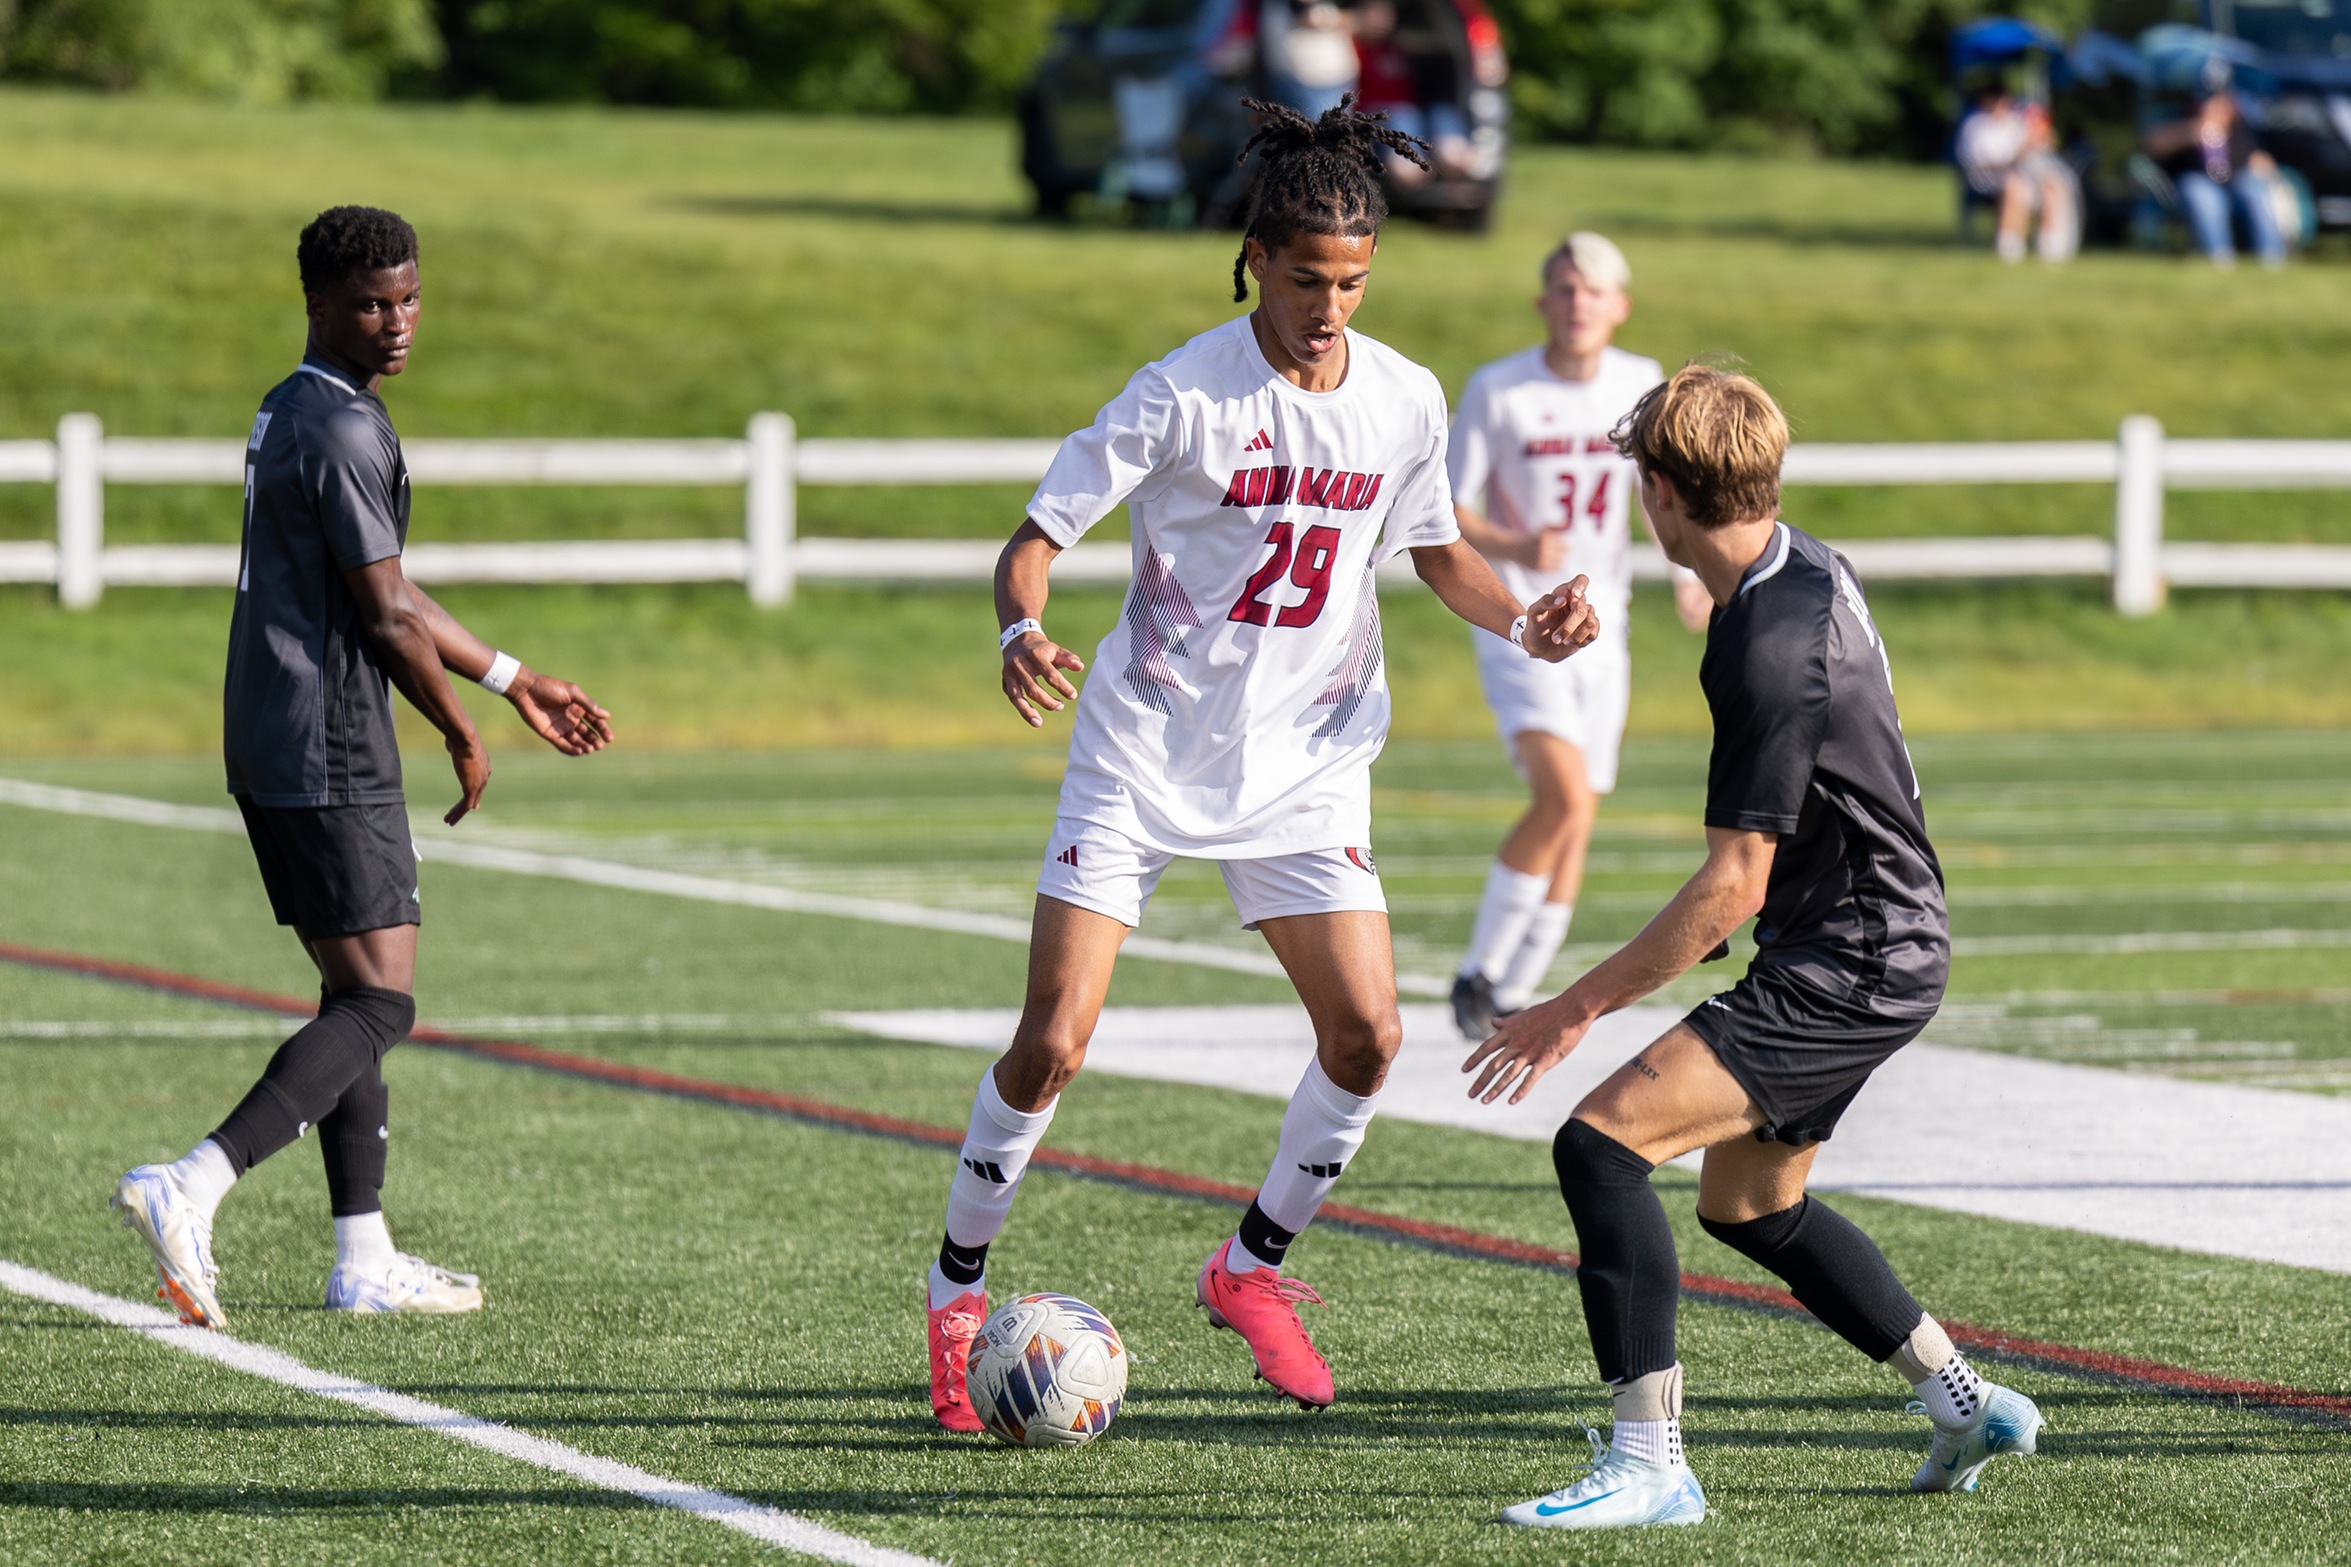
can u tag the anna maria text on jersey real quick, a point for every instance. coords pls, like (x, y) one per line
(1280, 485)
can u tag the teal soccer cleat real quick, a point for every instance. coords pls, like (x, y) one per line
(2007, 1422)
(1619, 1493)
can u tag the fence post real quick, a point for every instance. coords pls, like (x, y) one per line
(81, 510)
(2138, 517)
(768, 509)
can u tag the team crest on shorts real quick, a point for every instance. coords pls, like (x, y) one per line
(1363, 861)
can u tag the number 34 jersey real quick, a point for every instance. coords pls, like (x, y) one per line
(1531, 451)
(1235, 710)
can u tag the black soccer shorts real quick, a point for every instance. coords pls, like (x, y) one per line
(335, 870)
(1801, 1052)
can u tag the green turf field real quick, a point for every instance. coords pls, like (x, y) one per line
(727, 1299)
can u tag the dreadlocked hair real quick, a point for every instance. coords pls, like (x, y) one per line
(1319, 176)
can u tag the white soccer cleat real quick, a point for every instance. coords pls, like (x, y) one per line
(180, 1235)
(404, 1284)
(1619, 1493)
(2005, 1422)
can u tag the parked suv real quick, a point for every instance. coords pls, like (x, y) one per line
(1141, 101)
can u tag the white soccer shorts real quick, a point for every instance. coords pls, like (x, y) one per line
(1111, 874)
(1583, 700)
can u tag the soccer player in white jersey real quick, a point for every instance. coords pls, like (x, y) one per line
(1544, 497)
(1267, 466)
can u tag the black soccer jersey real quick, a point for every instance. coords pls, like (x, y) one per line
(307, 713)
(1807, 745)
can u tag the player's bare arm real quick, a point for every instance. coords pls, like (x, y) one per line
(556, 710)
(1724, 894)
(1557, 624)
(1538, 549)
(402, 639)
(1033, 662)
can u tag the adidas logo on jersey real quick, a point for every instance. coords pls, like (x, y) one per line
(1262, 443)
(1329, 488)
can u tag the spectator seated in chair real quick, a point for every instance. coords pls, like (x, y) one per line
(2220, 173)
(2006, 151)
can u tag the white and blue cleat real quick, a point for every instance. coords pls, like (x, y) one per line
(404, 1284)
(2006, 1422)
(179, 1236)
(1619, 1493)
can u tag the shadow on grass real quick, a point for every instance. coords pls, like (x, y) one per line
(273, 1500)
(181, 1420)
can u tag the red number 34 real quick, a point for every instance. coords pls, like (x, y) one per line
(1309, 566)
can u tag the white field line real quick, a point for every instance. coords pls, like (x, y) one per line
(766, 1524)
(1199, 954)
(675, 884)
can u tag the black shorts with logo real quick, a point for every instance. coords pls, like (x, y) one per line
(1801, 1052)
(335, 870)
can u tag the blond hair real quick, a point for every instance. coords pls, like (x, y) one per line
(1717, 435)
(1594, 257)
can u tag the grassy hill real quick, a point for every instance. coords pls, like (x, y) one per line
(593, 272)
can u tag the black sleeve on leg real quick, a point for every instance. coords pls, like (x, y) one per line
(307, 1077)
(1836, 1271)
(352, 1139)
(1627, 1273)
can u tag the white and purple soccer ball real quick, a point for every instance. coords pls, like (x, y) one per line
(1047, 1371)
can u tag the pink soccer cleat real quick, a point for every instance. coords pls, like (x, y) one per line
(1263, 1308)
(953, 1327)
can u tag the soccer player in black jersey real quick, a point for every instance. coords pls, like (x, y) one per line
(1813, 825)
(325, 625)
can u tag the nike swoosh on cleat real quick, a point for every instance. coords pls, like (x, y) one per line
(1541, 1511)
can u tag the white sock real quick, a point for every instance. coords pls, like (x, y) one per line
(1510, 901)
(1939, 1375)
(1648, 1423)
(362, 1241)
(1546, 934)
(204, 1175)
(945, 1290)
(1321, 1131)
(996, 1150)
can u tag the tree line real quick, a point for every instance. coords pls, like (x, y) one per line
(1844, 76)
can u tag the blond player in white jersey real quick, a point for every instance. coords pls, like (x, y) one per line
(1235, 711)
(1544, 497)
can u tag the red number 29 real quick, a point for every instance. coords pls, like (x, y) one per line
(1309, 566)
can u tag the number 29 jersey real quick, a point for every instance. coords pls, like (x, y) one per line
(1235, 710)
(1535, 449)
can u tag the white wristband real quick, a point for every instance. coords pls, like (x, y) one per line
(1015, 631)
(503, 668)
(1518, 632)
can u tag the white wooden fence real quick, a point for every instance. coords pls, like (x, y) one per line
(770, 465)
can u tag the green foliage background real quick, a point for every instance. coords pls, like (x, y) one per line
(1842, 76)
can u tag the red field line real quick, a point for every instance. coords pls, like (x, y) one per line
(2149, 1375)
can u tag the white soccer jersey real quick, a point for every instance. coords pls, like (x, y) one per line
(1235, 710)
(1533, 448)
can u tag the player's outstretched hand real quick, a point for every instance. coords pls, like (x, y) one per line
(1033, 667)
(1528, 1045)
(560, 713)
(1561, 622)
(473, 774)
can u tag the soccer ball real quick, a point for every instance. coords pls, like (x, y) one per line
(1047, 1371)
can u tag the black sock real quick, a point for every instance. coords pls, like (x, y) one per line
(1627, 1273)
(1263, 1239)
(962, 1264)
(308, 1076)
(353, 1138)
(1835, 1270)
